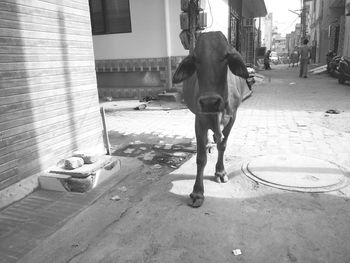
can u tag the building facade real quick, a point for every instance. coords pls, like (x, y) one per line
(268, 30)
(140, 62)
(49, 101)
(328, 27)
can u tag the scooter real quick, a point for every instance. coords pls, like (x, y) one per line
(333, 66)
(344, 69)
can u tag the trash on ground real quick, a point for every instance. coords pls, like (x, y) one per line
(147, 98)
(129, 150)
(301, 125)
(157, 166)
(123, 189)
(141, 107)
(115, 198)
(166, 159)
(168, 146)
(237, 252)
(149, 156)
(179, 154)
(292, 83)
(331, 111)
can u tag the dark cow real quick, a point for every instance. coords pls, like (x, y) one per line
(213, 94)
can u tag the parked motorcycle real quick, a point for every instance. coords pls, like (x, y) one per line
(251, 78)
(333, 64)
(344, 69)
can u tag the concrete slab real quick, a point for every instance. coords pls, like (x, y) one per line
(81, 179)
(296, 173)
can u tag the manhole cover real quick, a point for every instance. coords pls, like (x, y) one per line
(296, 173)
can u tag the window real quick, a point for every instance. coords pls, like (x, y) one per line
(110, 16)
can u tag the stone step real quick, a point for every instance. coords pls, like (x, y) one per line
(81, 179)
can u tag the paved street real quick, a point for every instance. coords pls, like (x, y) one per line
(152, 221)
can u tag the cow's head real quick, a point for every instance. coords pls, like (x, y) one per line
(211, 57)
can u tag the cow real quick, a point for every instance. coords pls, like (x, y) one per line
(213, 94)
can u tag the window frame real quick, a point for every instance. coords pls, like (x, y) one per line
(106, 23)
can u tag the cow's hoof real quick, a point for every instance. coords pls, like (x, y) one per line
(217, 179)
(196, 200)
(221, 177)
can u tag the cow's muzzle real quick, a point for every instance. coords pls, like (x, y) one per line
(210, 104)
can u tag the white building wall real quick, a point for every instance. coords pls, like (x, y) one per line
(218, 16)
(147, 38)
(175, 29)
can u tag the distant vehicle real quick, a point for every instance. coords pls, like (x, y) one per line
(274, 57)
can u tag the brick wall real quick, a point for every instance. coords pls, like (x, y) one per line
(48, 95)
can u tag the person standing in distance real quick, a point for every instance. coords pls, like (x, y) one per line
(304, 59)
(267, 60)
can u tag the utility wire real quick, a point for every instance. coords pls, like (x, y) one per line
(290, 24)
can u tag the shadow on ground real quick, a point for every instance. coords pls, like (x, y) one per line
(151, 149)
(266, 224)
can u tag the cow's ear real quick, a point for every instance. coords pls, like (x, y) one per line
(185, 70)
(236, 64)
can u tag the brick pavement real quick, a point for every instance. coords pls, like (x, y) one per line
(285, 115)
(26, 223)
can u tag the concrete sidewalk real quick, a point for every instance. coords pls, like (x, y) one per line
(285, 115)
(26, 223)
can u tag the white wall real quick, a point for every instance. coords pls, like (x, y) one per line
(147, 38)
(175, 29)
(218, 16)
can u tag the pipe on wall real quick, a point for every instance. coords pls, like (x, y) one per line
(168, 41)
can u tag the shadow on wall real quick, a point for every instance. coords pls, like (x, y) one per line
(18, 137)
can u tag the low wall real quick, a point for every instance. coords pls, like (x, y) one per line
(134, 78)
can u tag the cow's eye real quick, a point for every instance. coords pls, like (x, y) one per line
(226, 56)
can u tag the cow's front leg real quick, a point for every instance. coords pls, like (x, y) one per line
(220, 173)
(197, 194)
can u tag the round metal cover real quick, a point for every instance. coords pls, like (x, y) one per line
(296, 173)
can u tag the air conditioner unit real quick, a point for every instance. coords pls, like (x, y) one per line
(248, 22)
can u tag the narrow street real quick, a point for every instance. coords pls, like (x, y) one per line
(152, 221)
